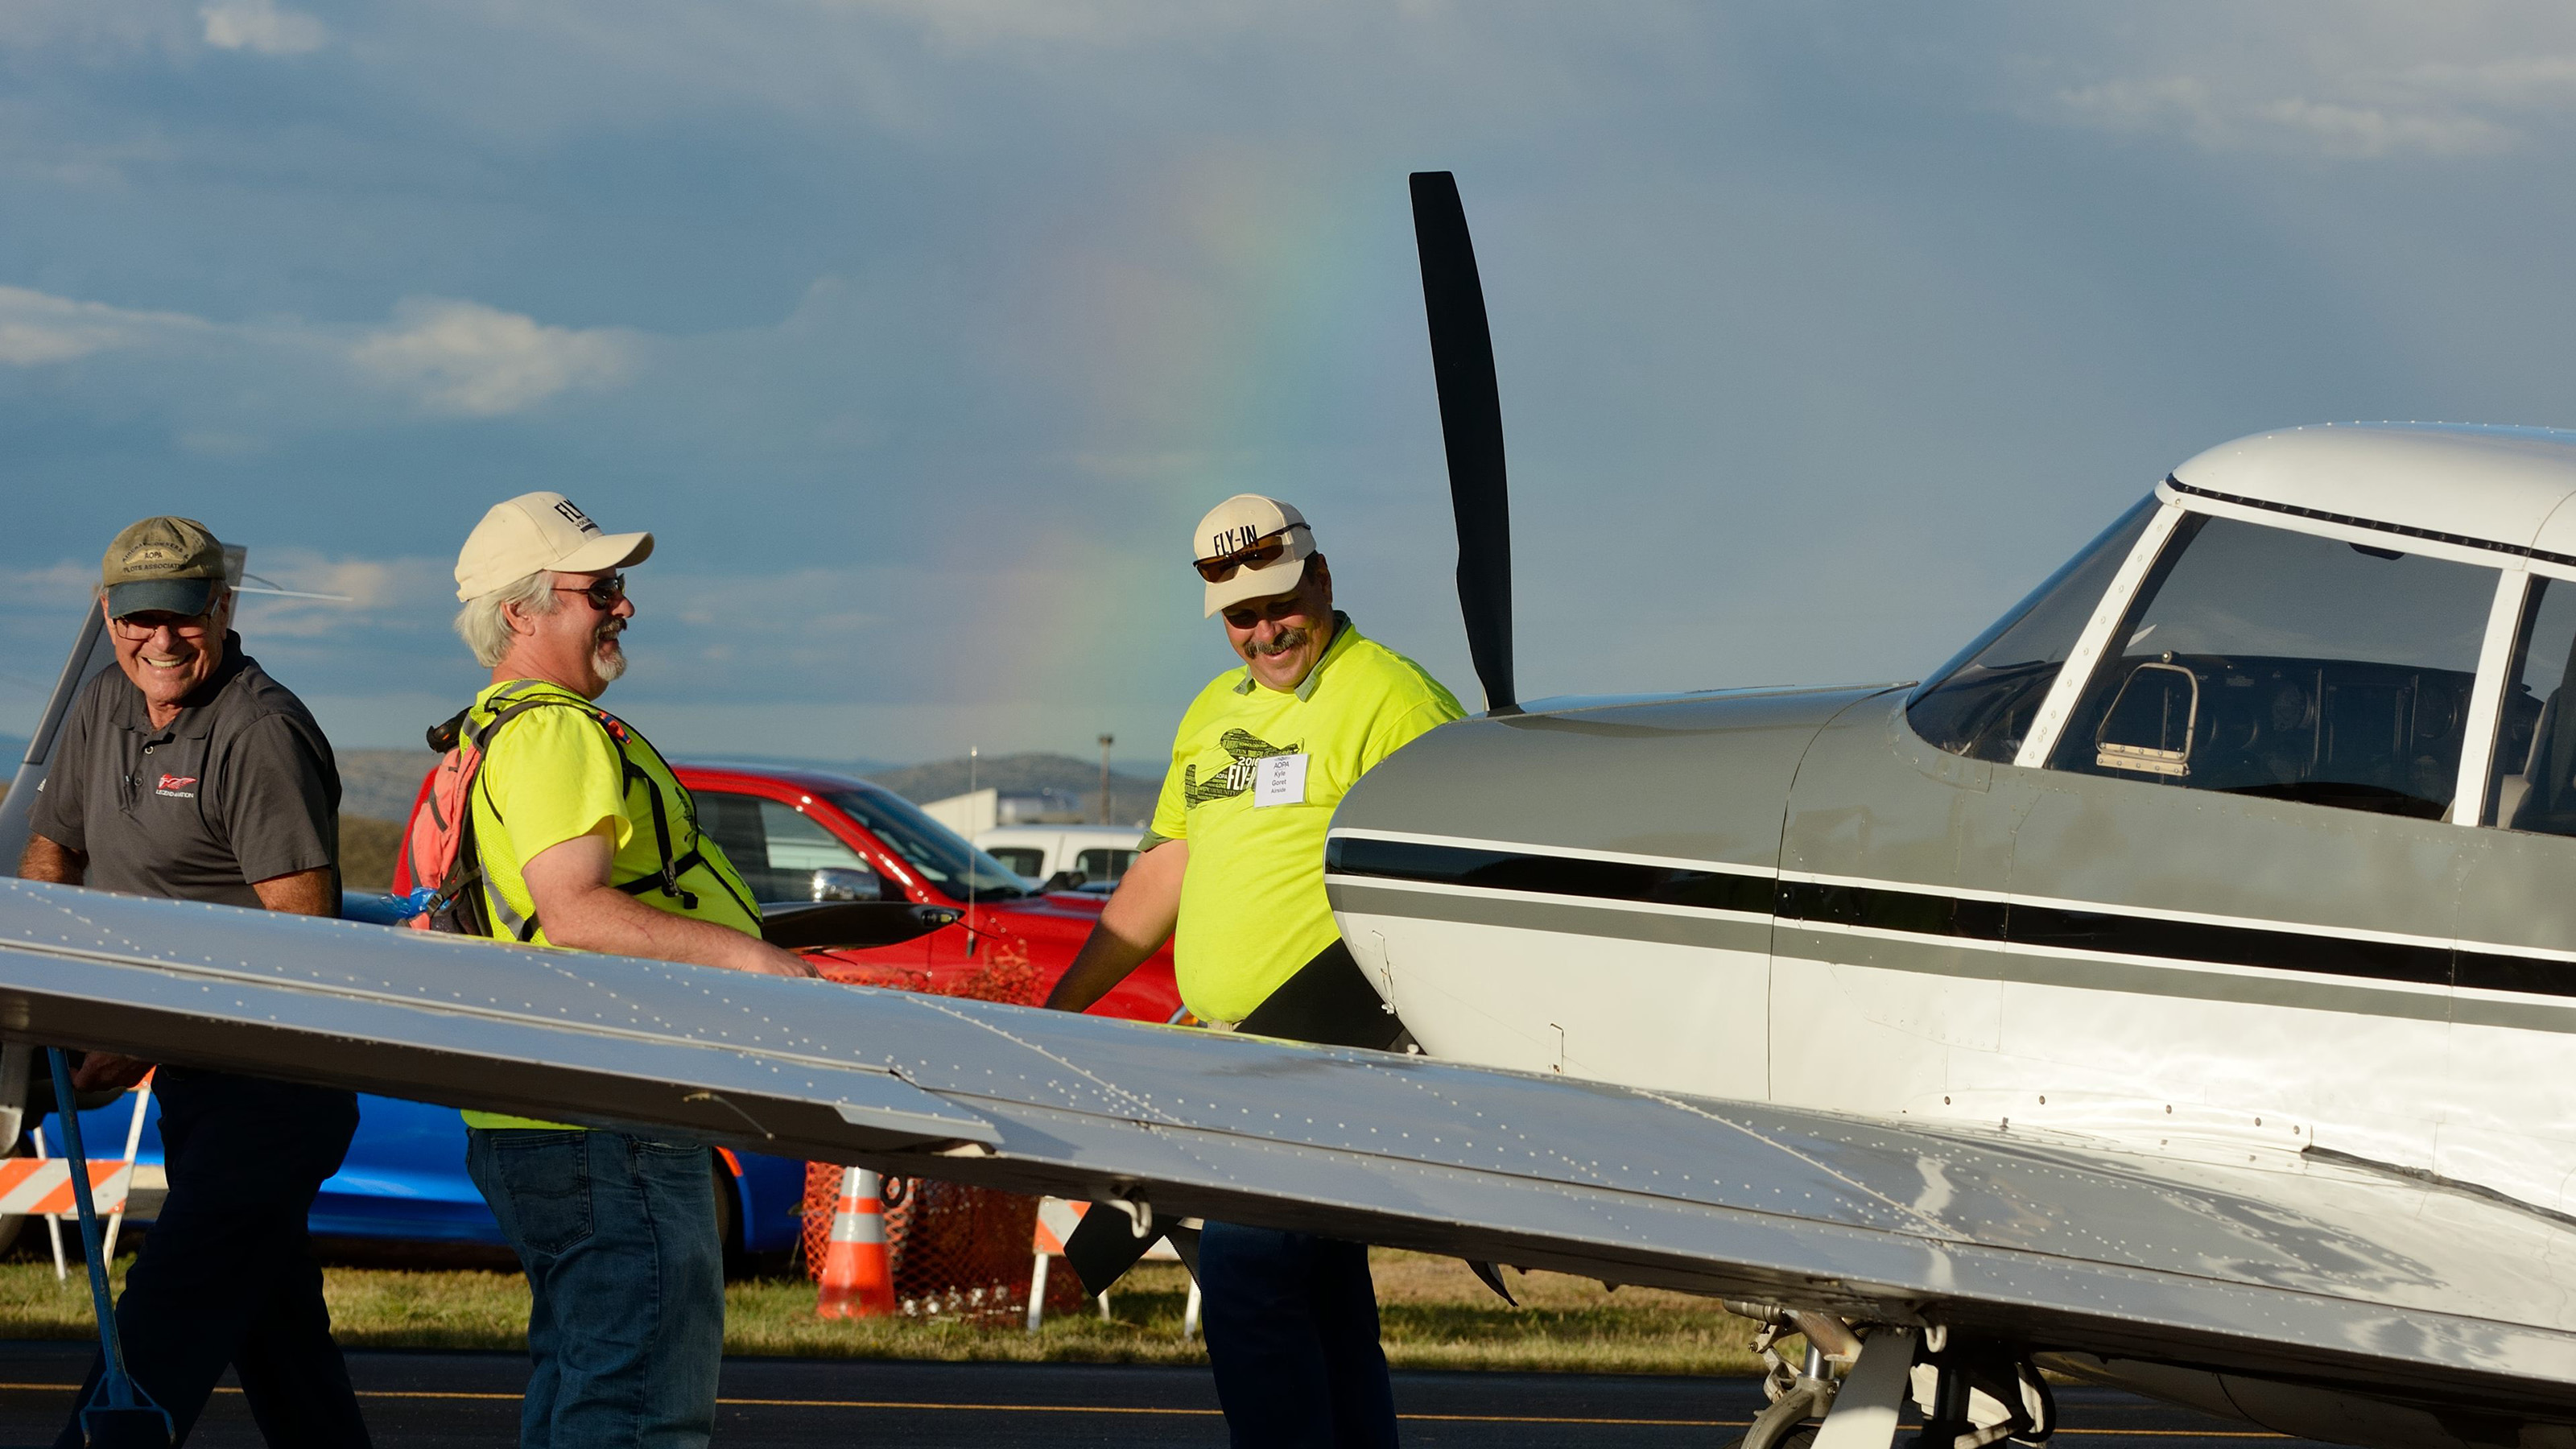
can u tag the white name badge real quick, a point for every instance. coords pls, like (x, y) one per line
(1280, 780)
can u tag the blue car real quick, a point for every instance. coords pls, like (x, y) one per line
(404, 1179)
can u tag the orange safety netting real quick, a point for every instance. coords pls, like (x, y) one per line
(956, 1251)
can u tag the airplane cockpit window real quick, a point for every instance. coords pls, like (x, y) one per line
(1980, 703)
(2533, 784)
(2259, 661)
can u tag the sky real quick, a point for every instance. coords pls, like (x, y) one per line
(920, 332)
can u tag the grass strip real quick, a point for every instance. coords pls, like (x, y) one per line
(1432, 1314)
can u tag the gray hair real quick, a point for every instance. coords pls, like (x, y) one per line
(486, 630)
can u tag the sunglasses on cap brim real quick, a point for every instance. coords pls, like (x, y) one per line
(1261, 553)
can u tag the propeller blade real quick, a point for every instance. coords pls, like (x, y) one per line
(1471, 423)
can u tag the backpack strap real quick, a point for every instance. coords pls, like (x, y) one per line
(463, 900)
(666, 880)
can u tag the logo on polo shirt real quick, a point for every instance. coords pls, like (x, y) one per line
(1246, 749)
(176, 787)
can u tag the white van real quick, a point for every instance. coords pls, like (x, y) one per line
(1099, 853)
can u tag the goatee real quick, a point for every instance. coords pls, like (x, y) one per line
(609, 659)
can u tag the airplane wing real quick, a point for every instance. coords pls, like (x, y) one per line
(2328, 1272)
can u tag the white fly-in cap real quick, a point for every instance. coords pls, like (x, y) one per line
(537, 531)
(1237, 524)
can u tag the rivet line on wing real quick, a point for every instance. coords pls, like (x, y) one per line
(1415, 1076)
(1144, 1106)
(1931, 1226)
(446, 1007)
(1621, 1200)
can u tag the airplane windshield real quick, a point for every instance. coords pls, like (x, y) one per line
(1982, 701)
(942, 856)
(2265, 661)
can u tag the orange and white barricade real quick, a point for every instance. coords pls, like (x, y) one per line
(1057, 1218)
(42, 1187)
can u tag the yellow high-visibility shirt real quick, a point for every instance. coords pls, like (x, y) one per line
(1254, 778)
(554, 774)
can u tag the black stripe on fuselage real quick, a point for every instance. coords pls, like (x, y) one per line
(1558, 875)
(1937, 914)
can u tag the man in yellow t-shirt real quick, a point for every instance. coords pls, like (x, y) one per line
(587, 841)
(1233, 873)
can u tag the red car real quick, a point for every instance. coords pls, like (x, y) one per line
(800, 836)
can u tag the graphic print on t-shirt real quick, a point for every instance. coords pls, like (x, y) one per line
(176, 787)
(1237, 777)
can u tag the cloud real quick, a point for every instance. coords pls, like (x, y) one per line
(2371, 81)
(973, 23)
(2213, 119)
(37, 328)
(261, 27)
(59, 584)
(453, 357)
(479, 361)
(407, 594)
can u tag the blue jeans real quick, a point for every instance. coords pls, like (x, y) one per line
(626, 1283)
(1292, 1335)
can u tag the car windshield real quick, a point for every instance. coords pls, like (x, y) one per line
(940, 854)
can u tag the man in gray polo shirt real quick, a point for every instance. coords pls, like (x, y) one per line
(186, 772)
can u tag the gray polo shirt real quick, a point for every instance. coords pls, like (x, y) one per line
(241, 787)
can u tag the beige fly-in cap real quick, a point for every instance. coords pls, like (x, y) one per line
(537, 531)
(1237, 524)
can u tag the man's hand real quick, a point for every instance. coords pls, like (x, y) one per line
(105, 1071)
(45, 860)
(578, 908)
(1134, 925)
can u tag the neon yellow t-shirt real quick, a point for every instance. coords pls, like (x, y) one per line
(1254, 778)
(553, 774)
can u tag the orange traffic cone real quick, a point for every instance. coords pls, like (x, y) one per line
(858, 1282)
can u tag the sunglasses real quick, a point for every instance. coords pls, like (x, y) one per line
(1261, 553)
(1249, 616)
(602, 593)
(141, 626)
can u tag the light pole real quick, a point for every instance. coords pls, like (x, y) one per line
(1105, 742)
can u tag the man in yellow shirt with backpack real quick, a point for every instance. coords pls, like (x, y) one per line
(579, 836)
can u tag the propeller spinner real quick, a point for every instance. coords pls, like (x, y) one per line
(1471, 423)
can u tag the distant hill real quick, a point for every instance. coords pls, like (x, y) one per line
(1131, 797)
(380, 784)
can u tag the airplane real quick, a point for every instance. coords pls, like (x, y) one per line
(2169, 991)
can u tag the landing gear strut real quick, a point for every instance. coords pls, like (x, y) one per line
(1975, 1392)
(1972, 1393)
(1802, 1394)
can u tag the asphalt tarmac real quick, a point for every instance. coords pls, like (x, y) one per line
(442, 1399)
